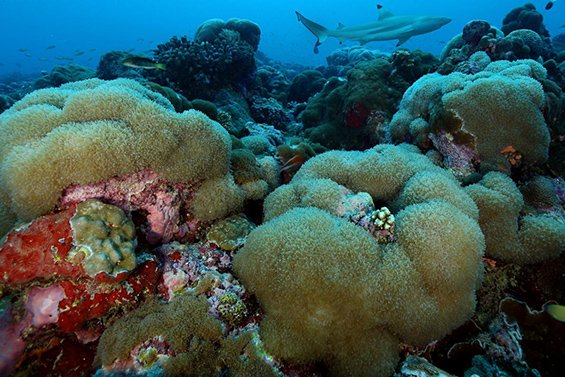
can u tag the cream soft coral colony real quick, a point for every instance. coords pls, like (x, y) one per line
(89, 131)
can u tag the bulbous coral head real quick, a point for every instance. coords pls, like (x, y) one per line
(86, 132)
(331, 292)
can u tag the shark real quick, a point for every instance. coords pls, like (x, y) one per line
(387, 27)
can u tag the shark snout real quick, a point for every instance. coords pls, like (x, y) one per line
(444, 20)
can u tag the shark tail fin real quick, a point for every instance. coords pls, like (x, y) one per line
(321, 32)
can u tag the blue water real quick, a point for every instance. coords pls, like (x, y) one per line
(92, 27)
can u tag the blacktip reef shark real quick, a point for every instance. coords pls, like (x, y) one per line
(387, 27)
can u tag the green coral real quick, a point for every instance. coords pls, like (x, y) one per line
(371, 86)
(105, 238)
(232, 309)
(312, 271)
(62, 74)
(230, 233)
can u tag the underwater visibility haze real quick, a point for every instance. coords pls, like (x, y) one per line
(282, 188)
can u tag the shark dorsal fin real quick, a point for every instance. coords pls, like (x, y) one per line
(340, 26)
(384, 13)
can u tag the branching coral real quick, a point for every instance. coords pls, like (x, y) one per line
(354, 299)
(221, 55)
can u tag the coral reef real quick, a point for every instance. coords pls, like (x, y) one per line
(222, 55)
(328, 269)
(110, 67)
(62, 74)
(270, 111)
(89, 131)
(510, 99)
(343, 59)
(511, 233)
(5, 102)
(183, 337)
(305, 85)
(210, 211)
(339, 116)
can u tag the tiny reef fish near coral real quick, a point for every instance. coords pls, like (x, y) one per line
(386, 28)
(142, 62)
(556, 311)
(549, 4)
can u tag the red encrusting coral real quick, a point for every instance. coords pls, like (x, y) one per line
(89, 300)
(356, 116)
(40, 251)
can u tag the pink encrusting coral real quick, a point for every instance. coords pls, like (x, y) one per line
(166, 204)
(459, 158)
(43, 304)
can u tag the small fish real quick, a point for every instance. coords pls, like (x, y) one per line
(549, 4)
(50, 47)
(556, 311)
(63, 58)
(22, 49)
(91, 49)
(79, 53)
(142, 62)
(27, 54)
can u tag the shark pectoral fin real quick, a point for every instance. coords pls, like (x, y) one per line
(384, 13)
(316, 49)
(402, 40)
(340, 26)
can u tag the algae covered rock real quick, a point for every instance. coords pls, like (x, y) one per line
(346, 114)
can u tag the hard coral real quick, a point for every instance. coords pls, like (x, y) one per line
(222, 55)
(353, 298)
